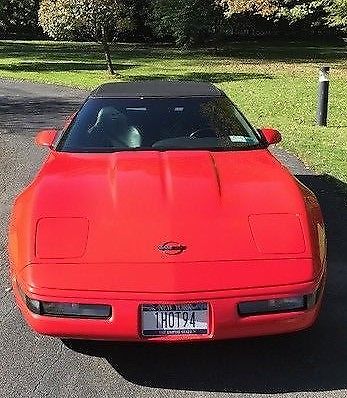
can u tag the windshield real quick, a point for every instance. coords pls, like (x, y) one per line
(109, 125)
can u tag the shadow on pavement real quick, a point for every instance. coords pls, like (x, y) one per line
(314, 360)
(26, 115)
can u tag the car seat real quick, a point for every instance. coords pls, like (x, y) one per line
(113, 124)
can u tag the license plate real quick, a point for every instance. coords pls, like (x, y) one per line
(160, 320)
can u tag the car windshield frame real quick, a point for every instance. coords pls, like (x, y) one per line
(142, 104)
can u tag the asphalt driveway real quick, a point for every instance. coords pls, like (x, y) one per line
(307, 364)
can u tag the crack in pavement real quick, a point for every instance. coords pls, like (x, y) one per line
(5, 294)
(43, 374)
(5, 316)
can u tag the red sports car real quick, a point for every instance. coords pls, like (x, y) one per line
(160, 215)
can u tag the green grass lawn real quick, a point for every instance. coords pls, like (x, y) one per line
(275, 84)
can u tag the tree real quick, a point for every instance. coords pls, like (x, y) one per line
(299, 14)
(265, 8)
(337, 10)
(309, 12)
(18, 17)
(187, 21)
(64, 19)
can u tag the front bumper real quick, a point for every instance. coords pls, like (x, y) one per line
(125, 322)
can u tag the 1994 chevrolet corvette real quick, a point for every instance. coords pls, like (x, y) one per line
(160, 215)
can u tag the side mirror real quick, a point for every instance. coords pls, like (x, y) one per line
(46, 138)
(271, 136)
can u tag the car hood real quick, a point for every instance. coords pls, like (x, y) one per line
(205, 206)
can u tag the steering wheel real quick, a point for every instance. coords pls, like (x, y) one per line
(196, 133)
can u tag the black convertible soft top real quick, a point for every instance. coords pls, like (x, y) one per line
(156, 89)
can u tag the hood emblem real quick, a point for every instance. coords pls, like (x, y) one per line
(172, 248)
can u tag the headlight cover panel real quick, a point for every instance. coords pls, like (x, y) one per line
(61, 238)
(277, 233)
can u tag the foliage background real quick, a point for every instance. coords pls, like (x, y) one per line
(185, 22)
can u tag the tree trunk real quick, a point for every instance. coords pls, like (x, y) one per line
(107, 52)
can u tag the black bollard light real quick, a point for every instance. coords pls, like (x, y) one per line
(323, 96)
